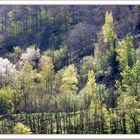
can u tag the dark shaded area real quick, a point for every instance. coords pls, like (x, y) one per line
(53, 27)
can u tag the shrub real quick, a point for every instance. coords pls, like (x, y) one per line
(21, 129)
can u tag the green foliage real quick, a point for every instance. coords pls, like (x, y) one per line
(107, 95)
(47, 71)
(129, 108)
(131, 79)
(60, 56)
(99, 115)
(137, 53)
(108, 28)
(91, 83)
(26, 83)
(58, 81)
(21, 129)
(105, 48)
(86, 64)
(101, 64)
(128, 103)
(46, 66)
(14, 57)
(69, 80)
(125, 53)
(61, 79)
(68, 102)
(68, 99)
(26, 76)
(89, 91)
(109, 33)
(6, 100)
(86, 95)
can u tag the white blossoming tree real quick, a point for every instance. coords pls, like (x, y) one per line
(7, 72)
(31, 55)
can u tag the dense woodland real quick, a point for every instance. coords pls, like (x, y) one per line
(70, 69)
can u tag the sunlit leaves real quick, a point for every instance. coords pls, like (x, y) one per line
(125, 52)
(131, 79)
(21, 129)
(86, 64)
(88, 93)
(91, 83)
(47, 71)
(108, 28)
(105, 48)
(46, 66)
(69, 80)
(6, 99)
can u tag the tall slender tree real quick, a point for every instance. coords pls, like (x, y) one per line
(105, 54)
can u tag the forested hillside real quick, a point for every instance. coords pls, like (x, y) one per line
(70, 69)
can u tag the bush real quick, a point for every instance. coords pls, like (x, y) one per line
(21, 129)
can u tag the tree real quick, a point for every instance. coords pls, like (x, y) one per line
(86, 64)
(47, 71)
(31, 55)
(91, 84)
(86, 96)
(69, 80)
(6, 100)
(108, 30)
(60, 57)
(79, 39)
(38, 99)
(15, 56)
(68, 89)
(125, 53)
(105, 54)
(7, 72)
(58, 81)
(107, 96)
(68, 102)
(131, 79)
(129, 111)
(99, 116)
(26, 83)
(21, 129)
(89, 91)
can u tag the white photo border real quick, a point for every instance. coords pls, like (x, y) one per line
(69, 2)
(71, 137)
(75, 136)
